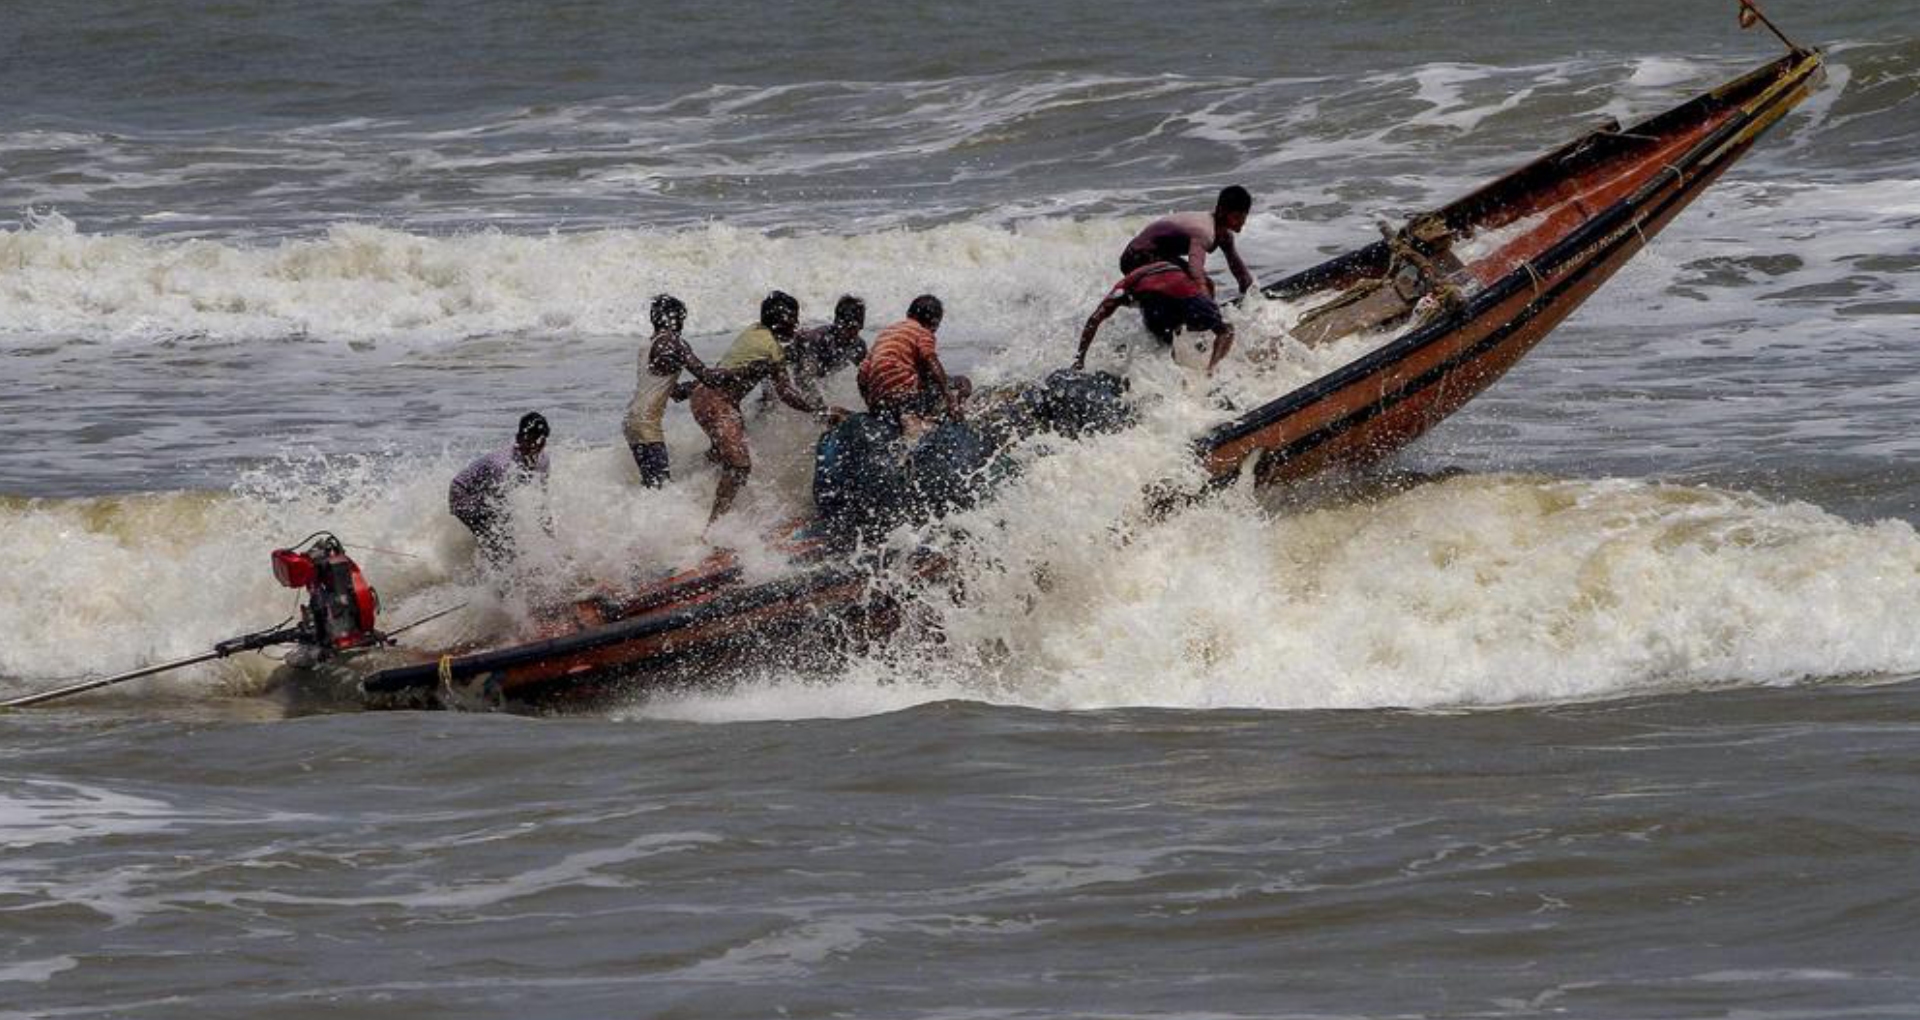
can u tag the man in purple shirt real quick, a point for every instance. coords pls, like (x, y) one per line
(1188, 237)
(481, 495)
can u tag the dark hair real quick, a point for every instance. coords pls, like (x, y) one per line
(1234, 198)
(779, 306)
(926, 310)
(533, 425)
(849, 309)
(667, 308)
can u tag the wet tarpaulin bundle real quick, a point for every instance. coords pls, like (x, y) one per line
(868, 479)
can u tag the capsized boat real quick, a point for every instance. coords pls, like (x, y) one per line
(1469, 288)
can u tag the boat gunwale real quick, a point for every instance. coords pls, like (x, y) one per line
(1493, 341)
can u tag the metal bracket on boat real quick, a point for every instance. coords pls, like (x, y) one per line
(1750, 13)
(1628, 135)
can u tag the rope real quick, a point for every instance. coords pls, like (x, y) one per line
(389, 552)
(427, 619)
(1535, 274)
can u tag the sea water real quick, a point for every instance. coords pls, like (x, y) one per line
(1600, 702)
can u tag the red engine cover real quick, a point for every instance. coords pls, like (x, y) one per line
(293, 569)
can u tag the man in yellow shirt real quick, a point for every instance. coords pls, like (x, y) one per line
(757, 356)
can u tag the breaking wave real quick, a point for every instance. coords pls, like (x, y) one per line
(374, 284)
(1469, 590)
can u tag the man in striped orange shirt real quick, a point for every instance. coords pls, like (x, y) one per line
(902, 377)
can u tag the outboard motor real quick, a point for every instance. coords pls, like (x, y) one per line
(338, 617)
(341, 606)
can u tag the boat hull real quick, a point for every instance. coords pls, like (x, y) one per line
(1376, 406)
(793, 622)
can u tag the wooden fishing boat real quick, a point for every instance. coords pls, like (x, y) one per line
(1561, 226)
(1471, 287)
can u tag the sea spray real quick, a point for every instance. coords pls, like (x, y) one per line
(1468, 591)
(1477, 590)
(372, 284)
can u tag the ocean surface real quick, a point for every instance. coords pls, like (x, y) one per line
(1605, 705)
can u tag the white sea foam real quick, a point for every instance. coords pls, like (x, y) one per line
(1439, 86)
(1433, 596)
(1666, 73)
(39, 812)
(1477, 590)
(36, 971)
(1474, 591)
(1465, 592)
(363, 283)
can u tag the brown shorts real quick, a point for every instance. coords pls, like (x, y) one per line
(926, 404)
(719, 416)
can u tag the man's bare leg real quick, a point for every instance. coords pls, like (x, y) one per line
(731, 479)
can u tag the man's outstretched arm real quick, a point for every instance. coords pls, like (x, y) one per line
(1100, 315)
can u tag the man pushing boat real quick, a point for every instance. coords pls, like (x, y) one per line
(902, 377)
(1188, 237)
(822, 350)
(660, 368)
(758, 355)
(481, 496)
(1170, 301)
(1164, 272)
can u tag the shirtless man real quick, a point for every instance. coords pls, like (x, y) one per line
(757, 356)
(1188, 237)
(659, 382)
(823, 350)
